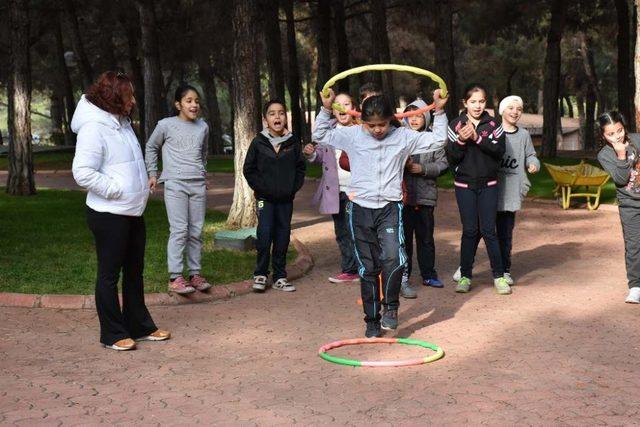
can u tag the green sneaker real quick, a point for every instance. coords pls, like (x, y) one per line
(502, 286)
(464, 285)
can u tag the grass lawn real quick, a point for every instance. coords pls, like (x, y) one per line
(47, 247)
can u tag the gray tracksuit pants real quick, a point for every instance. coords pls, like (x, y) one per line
(185, 201)
(630, 219)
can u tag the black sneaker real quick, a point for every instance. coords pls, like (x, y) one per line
(389, 320)
(373, 330)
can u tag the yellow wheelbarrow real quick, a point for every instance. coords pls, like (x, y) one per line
(568, 179)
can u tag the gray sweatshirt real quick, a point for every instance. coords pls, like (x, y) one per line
(513, 183)
(377, 165)
(184, 149)
(624, 173)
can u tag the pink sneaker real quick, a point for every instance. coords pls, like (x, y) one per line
(344, 277)
(200, 283)
(181, 286)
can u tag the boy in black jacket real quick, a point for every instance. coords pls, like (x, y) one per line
(274, 168)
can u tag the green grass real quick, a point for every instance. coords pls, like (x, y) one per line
(46, 161)
(47, 247)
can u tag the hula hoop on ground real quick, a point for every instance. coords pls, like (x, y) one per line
(322, 352)
(386, 67)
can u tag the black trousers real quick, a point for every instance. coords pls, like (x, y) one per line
(478, 215)
(274, 230)
(418, 220)
(343, 237)
(379, 242)
(120, 243)
(505, 222)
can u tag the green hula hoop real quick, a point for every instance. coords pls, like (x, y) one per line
(386, 67)
(322, 352)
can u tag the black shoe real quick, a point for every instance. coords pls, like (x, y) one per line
(373, 330)
(389, 320)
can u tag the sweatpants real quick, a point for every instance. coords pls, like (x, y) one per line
(120, 242)
(379, 244)
(478, 215)
(418, 220)
(630, 219)
(343, 237)
(273, 235)
(186, 204)
(505, 222)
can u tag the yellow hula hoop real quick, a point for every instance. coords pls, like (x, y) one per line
(385, 67)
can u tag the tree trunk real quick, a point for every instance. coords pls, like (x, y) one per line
(323, 47)
(207, 76)
(342, 42)
(131, 23)
(581, 117)
(20, 180)
(590, 69)
(273, 48)
(308, 111)
(67, 88)
(624, 60)
(294, 71)
(243, 209)
(152, 71)
(380, 46)
(78, 46)
(56, 110)
(589, 120)
(551, 86)
(444, 59)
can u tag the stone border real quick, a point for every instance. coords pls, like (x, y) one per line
(301, 266)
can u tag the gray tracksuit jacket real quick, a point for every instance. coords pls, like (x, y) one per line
(184, 149)
(377, 165)
(513, 183)
(421, 188)
(625, 173)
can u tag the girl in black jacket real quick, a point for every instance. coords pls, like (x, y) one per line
(476, 144)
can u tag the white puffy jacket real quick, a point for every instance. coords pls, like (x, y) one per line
(108, 161)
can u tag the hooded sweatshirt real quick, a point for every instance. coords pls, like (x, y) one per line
(108, 161)
(274, 167)
(377, 164)
(421, 188)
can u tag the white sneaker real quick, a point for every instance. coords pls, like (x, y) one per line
(457, 275)
(283, 285)
(259, 283)
(634, 296)
(509, 279)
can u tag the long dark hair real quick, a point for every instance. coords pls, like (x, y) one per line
(610, 118)
(379, 105)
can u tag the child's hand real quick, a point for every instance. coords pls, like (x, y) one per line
(327, 101)
(309, 149)
(620, 148)
(438, 100)
(532, 168)
(468, 132)
(153, 181)
(415, 168)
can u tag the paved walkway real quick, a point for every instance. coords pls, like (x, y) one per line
(562, 350)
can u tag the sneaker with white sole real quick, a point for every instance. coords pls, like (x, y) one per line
(634, 296)
(158, 335)
(259, 283)
(464, 285)
(509, 279)
(122, 345)
(344, 278)
(457, 275)
(501, 285)
(283, 285)
(406, 290)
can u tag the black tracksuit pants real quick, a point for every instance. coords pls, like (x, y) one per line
(379, 242)
(418, 220)
(120, 243)
(274, 230)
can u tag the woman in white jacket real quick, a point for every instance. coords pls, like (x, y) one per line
(109, 164)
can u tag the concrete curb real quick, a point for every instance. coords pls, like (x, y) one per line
(301, 266)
